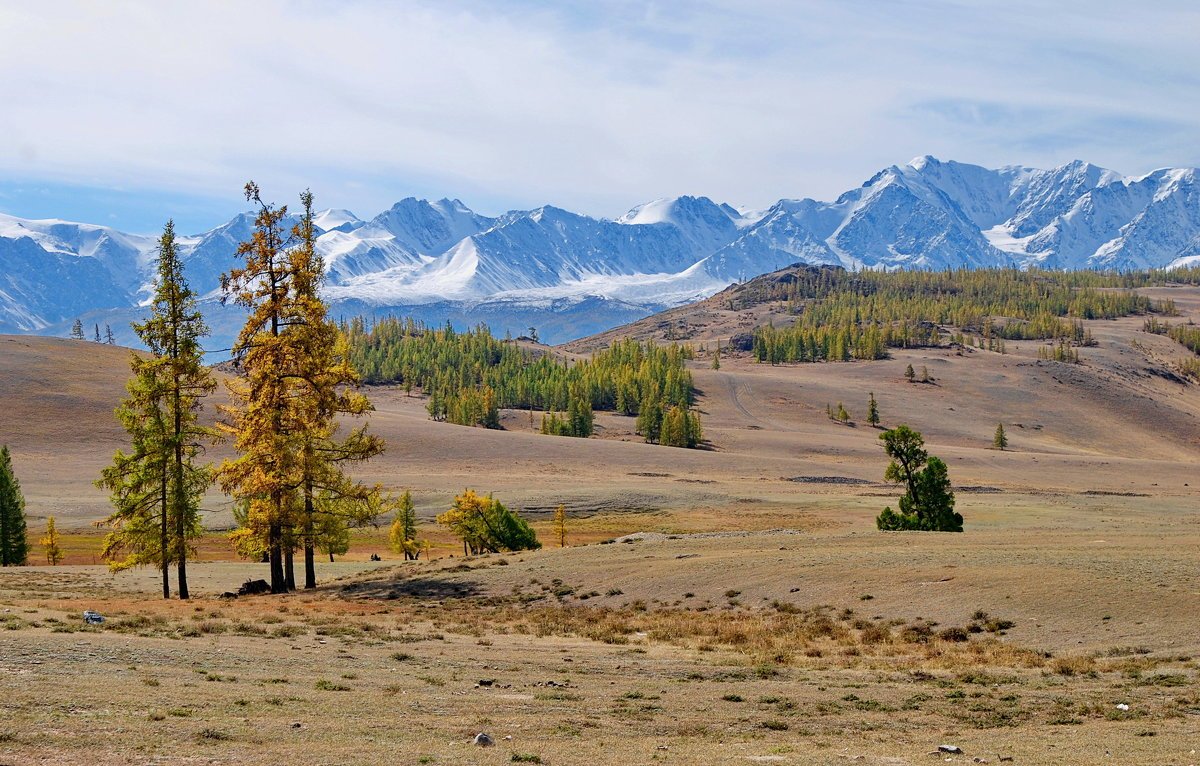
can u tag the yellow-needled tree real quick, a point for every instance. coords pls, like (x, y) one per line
(265, 415)
(326, 388)
(297, 381)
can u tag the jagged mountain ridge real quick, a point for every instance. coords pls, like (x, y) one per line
(547, 264)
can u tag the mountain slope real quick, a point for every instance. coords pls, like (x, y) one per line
(538, 267)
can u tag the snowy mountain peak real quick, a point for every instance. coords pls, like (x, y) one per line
(444, 257)
(679, 210)
(336, 219)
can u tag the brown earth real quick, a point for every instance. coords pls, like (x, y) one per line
(1085, 534)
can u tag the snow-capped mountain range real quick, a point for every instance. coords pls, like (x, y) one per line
(570, 274)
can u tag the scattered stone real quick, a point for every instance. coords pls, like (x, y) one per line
(92, 618)
(1122, 706)
(955, 749)
(483, 740)
(486, 682)
(228, 595)
(295, 724)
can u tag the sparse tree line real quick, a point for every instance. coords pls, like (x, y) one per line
(469, 376)
(843, 315)
(77, 333)
(1186, 335)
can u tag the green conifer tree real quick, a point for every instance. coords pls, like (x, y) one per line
(14, 547)
(162, 417)
(1000, 439)
(872, 411)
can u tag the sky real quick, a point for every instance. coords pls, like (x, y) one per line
(129, 113)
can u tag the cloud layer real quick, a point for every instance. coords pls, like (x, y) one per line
(594, 106)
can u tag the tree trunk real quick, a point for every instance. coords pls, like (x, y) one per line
(289, 568)
(331, 558)
(181, 506)
(310, 565)
(275, 546)
(310, 568)
(166, 540)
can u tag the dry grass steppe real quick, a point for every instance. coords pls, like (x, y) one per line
(750, 612)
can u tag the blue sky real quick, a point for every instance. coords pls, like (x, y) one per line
(127, 114)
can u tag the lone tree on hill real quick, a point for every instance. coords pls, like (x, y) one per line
(156, 488)
(910, 374)
(872, 411)
(54, 553)
(928, 502)
(1000, 440)
(77, 330)
(14, 548)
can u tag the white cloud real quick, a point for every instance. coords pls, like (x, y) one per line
(590, 106)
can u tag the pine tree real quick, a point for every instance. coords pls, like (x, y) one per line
(77, 330)
(97, 337)
(910, 374)
(925, 375)
(1000, 440)
(162, 476)
(872, 411)
(842, 415)
(716, 362)
(109, 338)
(560, 525)
(50, 543)
(14, 548)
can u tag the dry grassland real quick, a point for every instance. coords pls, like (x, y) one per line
(754, 615)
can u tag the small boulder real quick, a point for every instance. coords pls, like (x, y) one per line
(483, 740)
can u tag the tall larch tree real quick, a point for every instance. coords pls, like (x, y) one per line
(14, 547)
(325, 388)
(297, 382)
(263, 417)
(162, 417)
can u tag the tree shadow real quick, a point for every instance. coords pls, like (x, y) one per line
(436, 588)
